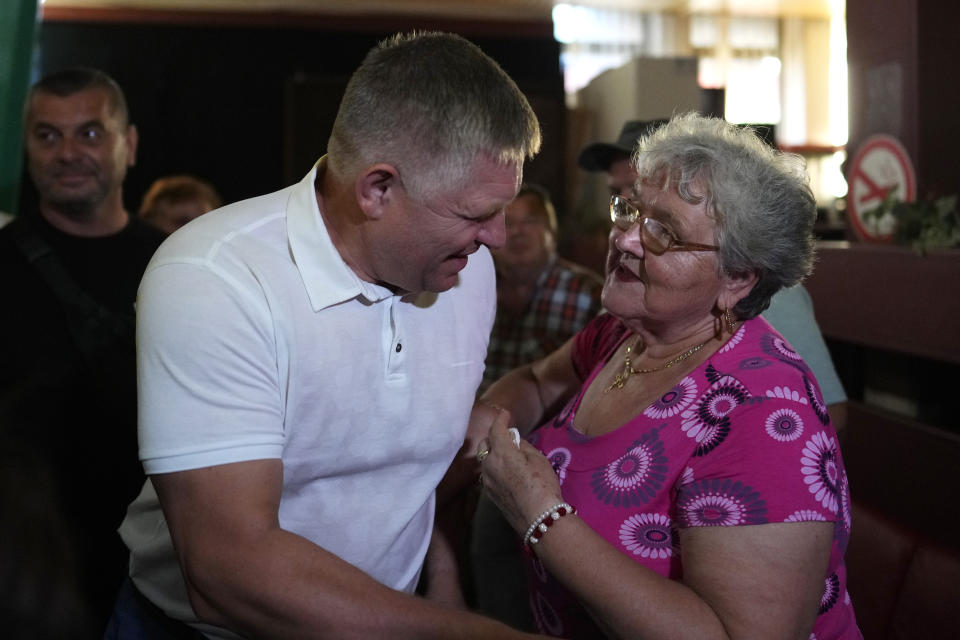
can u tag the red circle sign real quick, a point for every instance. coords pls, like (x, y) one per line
(880, 167)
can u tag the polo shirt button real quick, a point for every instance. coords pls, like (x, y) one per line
(399, 347)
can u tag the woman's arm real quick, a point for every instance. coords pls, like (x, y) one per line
(529, 394)
(759, 581)
(533, 392)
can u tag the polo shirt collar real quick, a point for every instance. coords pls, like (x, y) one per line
(327, 278)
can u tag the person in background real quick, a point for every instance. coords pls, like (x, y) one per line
(685, 479)
(308, 362)
(542, 301)
(173, 201)
(791, 308)
(71, 263)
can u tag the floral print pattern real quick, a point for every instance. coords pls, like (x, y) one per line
(806, 515)
(674, 401)
(831, 593)
(686, 477)
(734, 340)
(816, 400)
(774, 345)
(560, 458)
(784, 425)
(787, 394)
(749, 364)
(648, 535)
(720, 503)
(819, 467)
(564, 415)
(707, 421)
(634, 477)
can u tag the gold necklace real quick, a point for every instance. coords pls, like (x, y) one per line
(628, 370)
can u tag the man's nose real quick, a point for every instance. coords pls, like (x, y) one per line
(493, 233)
(67, 149)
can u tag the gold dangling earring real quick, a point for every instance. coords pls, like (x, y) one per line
(728, 320)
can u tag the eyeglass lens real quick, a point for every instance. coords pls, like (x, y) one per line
(655, 236)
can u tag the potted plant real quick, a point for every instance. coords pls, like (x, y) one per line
(924, 224)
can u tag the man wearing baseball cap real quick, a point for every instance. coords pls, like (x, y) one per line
(613, 158)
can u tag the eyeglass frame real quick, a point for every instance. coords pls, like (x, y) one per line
(625, 223)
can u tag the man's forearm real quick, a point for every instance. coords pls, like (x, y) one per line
(288, 587)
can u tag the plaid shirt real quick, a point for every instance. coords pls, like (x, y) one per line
(566, 297)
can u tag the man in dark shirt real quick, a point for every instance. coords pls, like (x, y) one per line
(70, 265)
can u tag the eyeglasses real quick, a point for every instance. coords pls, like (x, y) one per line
(656, 236)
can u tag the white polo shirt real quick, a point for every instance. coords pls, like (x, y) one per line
(256, 340)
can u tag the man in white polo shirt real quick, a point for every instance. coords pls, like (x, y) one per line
(308, 360)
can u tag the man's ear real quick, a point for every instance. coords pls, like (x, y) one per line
(550, 240)
(133, 139)
(376, 187)
(736, 288)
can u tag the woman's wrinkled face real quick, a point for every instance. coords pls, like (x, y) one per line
(675, 289)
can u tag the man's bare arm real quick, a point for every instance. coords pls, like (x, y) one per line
(245, 573)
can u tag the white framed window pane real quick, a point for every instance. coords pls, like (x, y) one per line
(753, 90)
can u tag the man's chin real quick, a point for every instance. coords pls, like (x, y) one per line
(439, 285)
(443, 276)
(72, 206)
(79, 197)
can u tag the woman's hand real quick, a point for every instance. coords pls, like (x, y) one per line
(519, 480)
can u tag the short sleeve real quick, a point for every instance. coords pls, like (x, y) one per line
(772, 460)
(207, 371)
(592, 343)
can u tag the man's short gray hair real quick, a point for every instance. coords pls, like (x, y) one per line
(760, 198)
(429, 103)
(68, 82)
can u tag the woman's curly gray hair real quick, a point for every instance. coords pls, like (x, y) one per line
(760, 198)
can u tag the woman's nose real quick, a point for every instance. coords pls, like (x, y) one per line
(628, 241)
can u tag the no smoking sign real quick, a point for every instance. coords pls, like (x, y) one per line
(881, 167)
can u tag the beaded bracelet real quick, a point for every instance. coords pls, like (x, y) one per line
(543, 522)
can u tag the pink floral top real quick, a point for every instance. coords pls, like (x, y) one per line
(744, 439)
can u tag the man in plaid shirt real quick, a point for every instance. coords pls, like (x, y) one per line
(542, 299)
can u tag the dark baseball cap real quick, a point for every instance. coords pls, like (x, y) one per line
(600, 155)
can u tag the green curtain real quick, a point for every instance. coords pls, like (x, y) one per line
(18, 28)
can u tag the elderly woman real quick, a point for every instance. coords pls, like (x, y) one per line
(687, 481)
